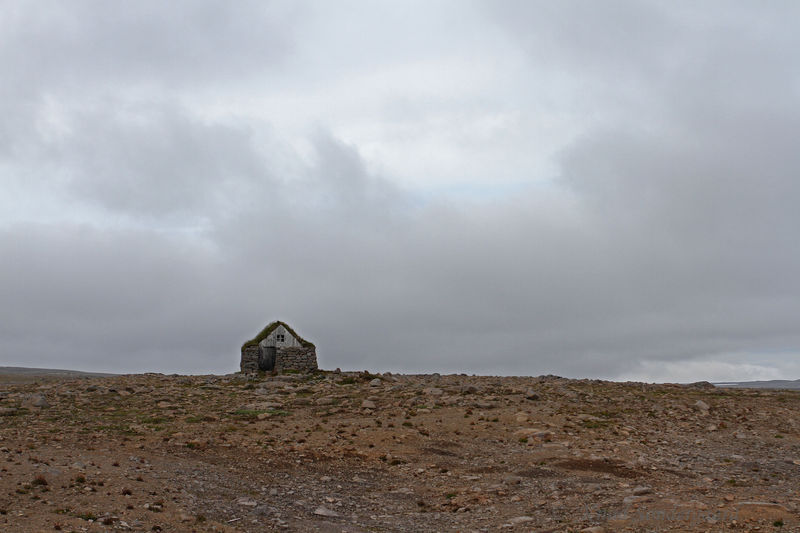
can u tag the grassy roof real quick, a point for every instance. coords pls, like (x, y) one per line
(270, 328)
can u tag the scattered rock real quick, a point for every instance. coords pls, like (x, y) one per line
(325, 400)
(531, 394)
(428, 460)
(36, 400)
(245, 501)
(534, 433)
(324, 511)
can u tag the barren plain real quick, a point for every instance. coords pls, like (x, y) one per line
(361, 452)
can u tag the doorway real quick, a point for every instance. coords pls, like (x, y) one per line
(266, 359)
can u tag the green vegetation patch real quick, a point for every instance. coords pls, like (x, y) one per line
(153, 420)
(199, 418)
(593, 424)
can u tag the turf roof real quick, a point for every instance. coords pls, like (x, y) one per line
(270, 328)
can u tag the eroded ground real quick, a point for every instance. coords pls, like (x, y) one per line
(359, 452)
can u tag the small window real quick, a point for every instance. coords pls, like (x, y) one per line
(280, 337)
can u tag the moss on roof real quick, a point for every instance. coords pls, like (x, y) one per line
(270, 328)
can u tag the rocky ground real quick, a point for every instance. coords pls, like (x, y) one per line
(359, 452)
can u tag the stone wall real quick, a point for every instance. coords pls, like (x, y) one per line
(249, 361)
(304, 359)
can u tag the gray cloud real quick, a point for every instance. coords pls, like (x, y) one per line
(188, 42)
(159, 160)
(156, 229)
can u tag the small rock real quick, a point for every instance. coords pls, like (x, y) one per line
(520, 520)
(324, 511)
(368, 404)
(641, 491)
(702, 406)
(325, 400)
(247, 502)
(36, 400)
(433, 391)
(762, 505)
(538, 434)
(156, 507)
(375, 382)
(629, 500)
(531, 394)
(593, 529)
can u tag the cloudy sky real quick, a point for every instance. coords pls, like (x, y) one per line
(589, 189)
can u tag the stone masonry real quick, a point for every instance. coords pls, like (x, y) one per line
(249, 361)
(303, 359)
(277, 347)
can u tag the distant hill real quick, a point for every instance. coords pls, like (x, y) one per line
(17, 374)
(772, 384)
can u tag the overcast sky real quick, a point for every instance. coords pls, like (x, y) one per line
(589, 189)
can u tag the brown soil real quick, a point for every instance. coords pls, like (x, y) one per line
(358, 452)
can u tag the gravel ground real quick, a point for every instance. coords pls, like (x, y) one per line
(361, 452)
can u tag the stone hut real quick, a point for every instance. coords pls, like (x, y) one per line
(277, 347)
